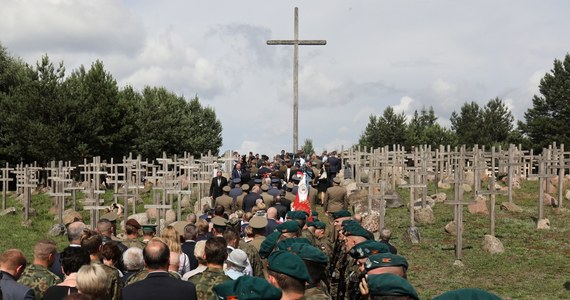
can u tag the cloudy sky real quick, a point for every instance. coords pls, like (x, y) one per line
(405, 54)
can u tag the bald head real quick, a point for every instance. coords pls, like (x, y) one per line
(156, 255)
(271, 213)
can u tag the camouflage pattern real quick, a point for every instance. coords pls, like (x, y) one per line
(206, 280)
(116, 285)
(305, 233)
(256, 242)
(353, 279)
(317, 293)
(142, 274)
(253, 256)
(324, 245)
(134, 243)
(337, 271)
(39, 278)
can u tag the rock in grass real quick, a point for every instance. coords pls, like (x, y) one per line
(479, 206)
(458, 263)
(509, 206)
(7, 211)
(492, 245)
(424, 215)
(57, 229)
(412, 235)
(451, 228)
(543, 224)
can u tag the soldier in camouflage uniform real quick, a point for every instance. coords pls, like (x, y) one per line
(132, 228)
(216, 253)
(142, 274)
(37, 276)
(301, 218)
(321, 241)
(92, 242)
(316, 262)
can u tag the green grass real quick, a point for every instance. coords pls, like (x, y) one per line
(535, 264)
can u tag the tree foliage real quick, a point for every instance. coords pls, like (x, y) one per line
(423, 129)
(45, 116)
(386, 130)
(308, 148)
(547, 120)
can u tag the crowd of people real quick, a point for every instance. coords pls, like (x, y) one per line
(248, 243)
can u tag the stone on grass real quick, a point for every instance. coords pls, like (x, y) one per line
(142, 218)
(70, 216)
(444, 186)
(560, 211)
(424, 215)
(152, 213)
(458, 263)
(439, 197)
(509, 206)
(185, 202)
(492, 244)
(7, 211)
(567, 196)
(549, 200)
(170, 216)
(467, 188)
(479, 206)
(56, 230)
(371, 223)
(395, 201)
(451, 228)
(543, 224)
(31, 213)
(412, 235)
(199, 205)
(27, 223)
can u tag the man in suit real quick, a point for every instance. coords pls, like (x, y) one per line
(12, 265)
(158, 284)
(334, 166)
(237, 171)
(190, 244)
(217, 185)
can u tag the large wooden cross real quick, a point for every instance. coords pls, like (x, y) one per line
(296, 42)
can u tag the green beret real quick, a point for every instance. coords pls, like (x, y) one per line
(340, 214)
(258, 222)
(290, 264)
(349, 221)
(386, 259)
(289, 226)
(268, 244)
(367, 248)
(354, 229)
(470, 293)
(310, 224)
(286, 243)
(314, 213)
(320, 225)
(297, 215)
(390, 285)
(246, 288)
(219, 221)
(310, 253)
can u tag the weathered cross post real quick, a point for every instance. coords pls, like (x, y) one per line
(5, 179)
(296, 42)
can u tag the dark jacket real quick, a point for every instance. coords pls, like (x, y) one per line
(159, 285)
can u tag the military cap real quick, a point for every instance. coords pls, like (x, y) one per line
(268, 244)
(314, 213)
(297, 215)
(275, 180)
(367, 248)
(289, 226)
(245, 187)
(290, 264)
(233, 222)
(296, 178)
(257, 181)
(286, 243)
(336, 180)
(226, 188)
(258, 222)
(264, 187)
(290, 186)
(111, 216)
(179, 226)
(469, 293)
(320, 225)
(236, 180)
(354, 229)
(347, 222)
(309, 252)
(134, 223)
(386, 259)
(390, 285)
(149, 227)
(219, 221)
(341, 214)
(247, 288)
(311, 224)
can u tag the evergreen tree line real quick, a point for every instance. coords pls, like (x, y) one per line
(547, 121)
(46, 115)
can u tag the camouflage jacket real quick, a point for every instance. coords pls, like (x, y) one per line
(142, 274)
(38, 278)
(206, 280)
(317, 293)
(308, 235)
(253, 256)
(116, 284)
(134, 243)
(324, 245)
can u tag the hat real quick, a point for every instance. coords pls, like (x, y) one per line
(264, 187)
(297, 215)
(310, 224)
(179, 226)
(390, 285)
(245, 187)
(385, 260)
(247, 288)
(258, 222)
(238, 258)
(290, 264)
(133, 223)
(268, 244)
(340, 214)
(354, 229)
(367, 248)
(275, 180)
(226, 188)
(219, 221)
(336, 180)
(290, 186)
(286, 243)
(469, 293)
(236, 180)
(314, 213)
(149, 227)
(257, 181)
(320, 225)
(309, 252)
(111, 216)
(289, 226)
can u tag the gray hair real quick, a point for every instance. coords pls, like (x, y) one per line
(133, 259)
(74, 231)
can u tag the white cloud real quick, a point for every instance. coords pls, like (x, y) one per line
(404, 105)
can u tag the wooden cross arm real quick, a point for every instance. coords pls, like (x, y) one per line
(297, 42)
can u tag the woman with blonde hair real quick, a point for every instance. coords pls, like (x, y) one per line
(92, 280)
(171, 238)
